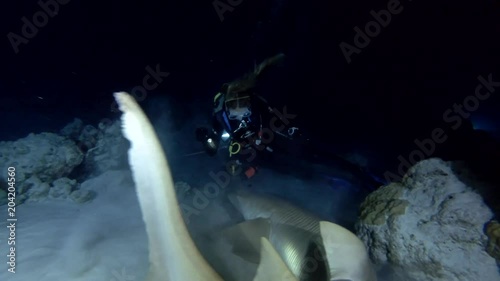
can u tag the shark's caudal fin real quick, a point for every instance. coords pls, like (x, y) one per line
(172, 253)
(346, 254)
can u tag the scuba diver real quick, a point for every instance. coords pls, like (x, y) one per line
(257, 134)
(244, 120)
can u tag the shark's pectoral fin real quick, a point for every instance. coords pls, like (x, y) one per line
(272, 267)
(346, 254)
(245, 238)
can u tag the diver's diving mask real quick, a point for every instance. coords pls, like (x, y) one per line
(238, 108)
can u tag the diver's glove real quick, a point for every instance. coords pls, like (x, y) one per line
(209, 140)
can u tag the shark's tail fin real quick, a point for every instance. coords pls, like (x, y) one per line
(172, 253)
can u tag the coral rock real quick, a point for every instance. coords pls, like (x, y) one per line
(38, 159)
(82, 196)
(46, 155)
(61, 188)
(428, 227)
(73, 129)
(493, 232)
(109, 151)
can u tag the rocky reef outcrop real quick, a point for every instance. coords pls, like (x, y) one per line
(49, 165)
(493, 233)
(42, 162)
(104, 147)
(430, 226)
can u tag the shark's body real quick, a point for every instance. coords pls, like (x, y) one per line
(172, 253)
(348, 259)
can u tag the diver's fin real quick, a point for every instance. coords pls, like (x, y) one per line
(245, 238)
(272, 267)
(268, 62)
(172, 253)
(346, 254)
